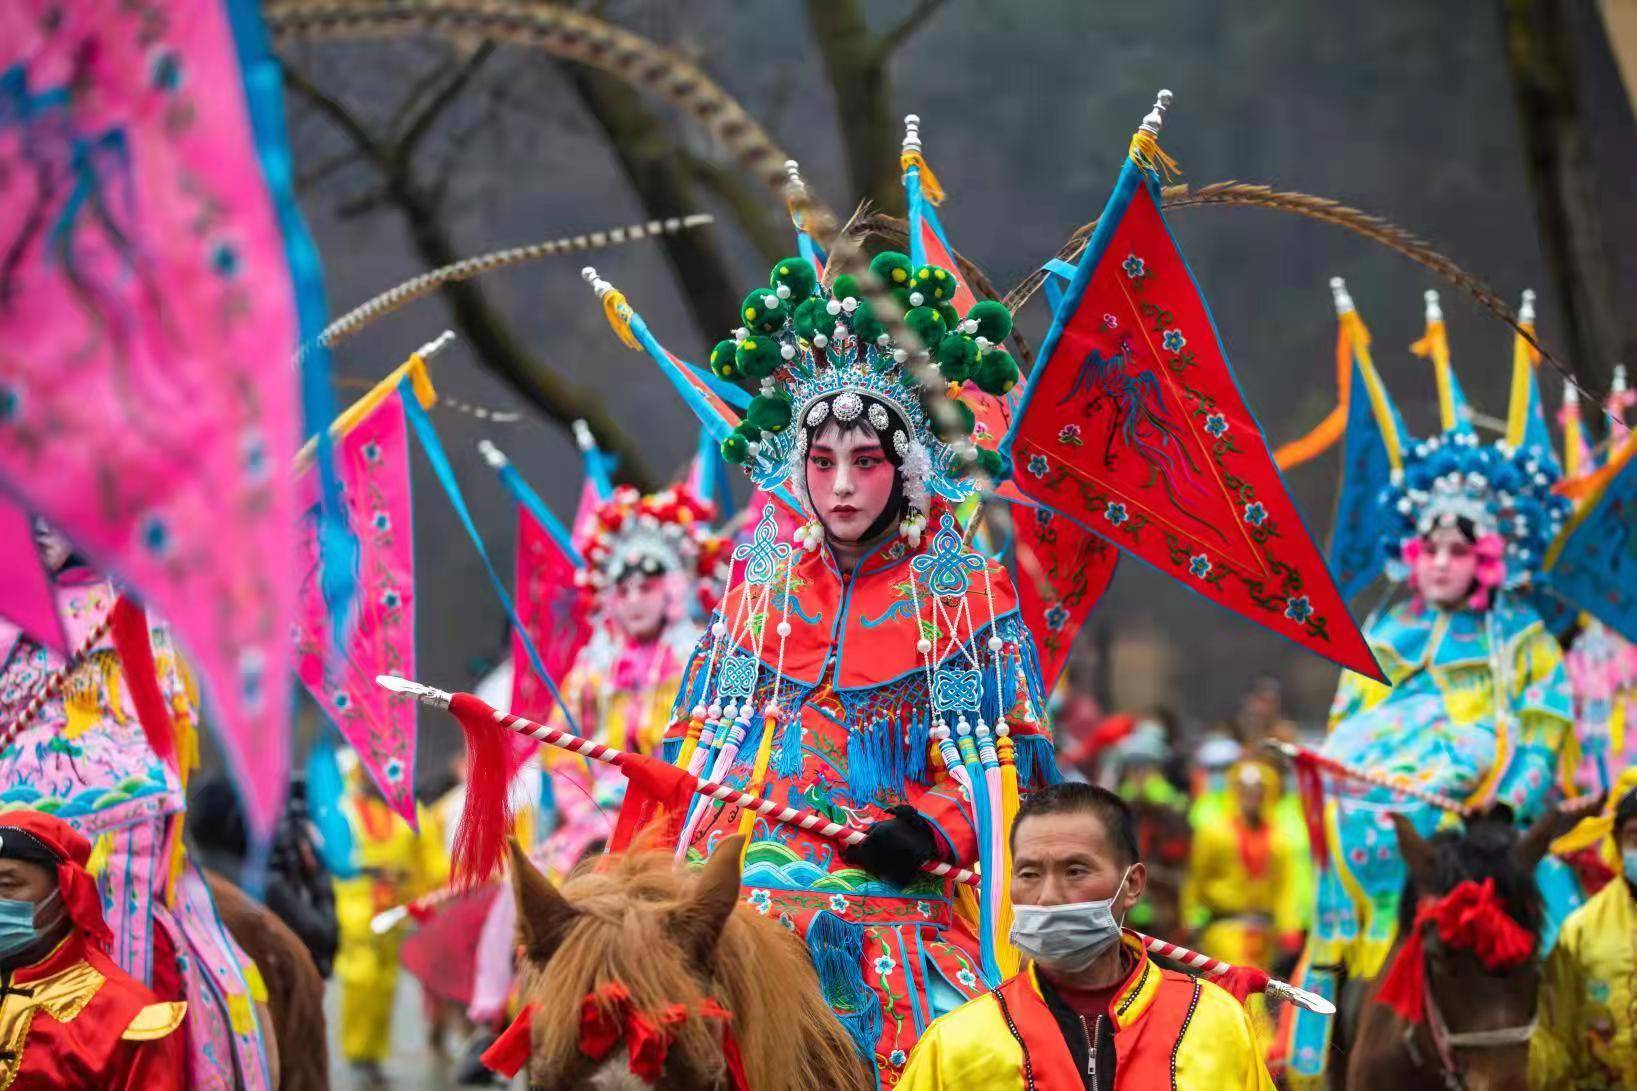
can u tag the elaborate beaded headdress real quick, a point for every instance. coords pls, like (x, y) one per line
(823, 353)
(657, 534)
(1503, 491)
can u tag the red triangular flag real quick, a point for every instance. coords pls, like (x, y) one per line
(1063, 569)
(1135, 426)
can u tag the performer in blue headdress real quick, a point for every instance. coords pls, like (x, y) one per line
(1479, 708)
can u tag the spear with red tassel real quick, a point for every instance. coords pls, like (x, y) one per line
(480, 838)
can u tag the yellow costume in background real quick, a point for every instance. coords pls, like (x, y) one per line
(1584, 1039)
(395, 864)
(1243, 886)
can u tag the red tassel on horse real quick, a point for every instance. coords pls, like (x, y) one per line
(486, 820)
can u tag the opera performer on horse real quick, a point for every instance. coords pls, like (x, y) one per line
(875, 670)
(1479, 707)
(650, 573)
(84, 755)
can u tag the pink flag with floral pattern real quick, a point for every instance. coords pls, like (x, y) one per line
(373, 460)
(147, 323)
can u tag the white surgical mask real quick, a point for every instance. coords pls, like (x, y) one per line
(1067, 938)
(1629, 858)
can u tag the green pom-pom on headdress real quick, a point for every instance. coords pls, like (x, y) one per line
(769, 412)
(796, 274)
(990, 463)
(957, 356)
(894, 269)
(846, 287)
(758, 357)
(926, 323)
(764, 311)
(961, 420)
(865, 324)
(993, 319)
(997, 372)
(936, 285)
(952, 317)
(812, 319)
(736, 448)
(722, 363)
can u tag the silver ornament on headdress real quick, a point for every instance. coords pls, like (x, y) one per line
(900, 443)
(847, 406)
(816, 415)
(878, 416)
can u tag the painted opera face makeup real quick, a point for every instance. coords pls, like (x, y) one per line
(849, 479)
(1445, 567)
(639, 604)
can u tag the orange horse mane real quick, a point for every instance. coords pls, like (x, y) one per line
(628, 906)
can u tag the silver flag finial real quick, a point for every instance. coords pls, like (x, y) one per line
(1435, 312)
(1155, 119)
(1338, 291)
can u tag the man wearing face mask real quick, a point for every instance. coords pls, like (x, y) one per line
(1089, 1010)
(70, 1019)
(1586, 1036)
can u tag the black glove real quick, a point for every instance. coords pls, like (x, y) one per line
(895, 848)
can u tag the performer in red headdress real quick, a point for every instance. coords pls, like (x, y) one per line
(69, 1017)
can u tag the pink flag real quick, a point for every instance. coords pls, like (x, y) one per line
(373, 461)
(553, 610)
(26, 597)
(147, 400)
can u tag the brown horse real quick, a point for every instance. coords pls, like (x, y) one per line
(1476, 1034)
(297, 1049)
(676, 942)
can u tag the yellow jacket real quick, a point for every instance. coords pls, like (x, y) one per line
(1584, 1039)
(977, 1046)
(395, 864)
(1218, 883)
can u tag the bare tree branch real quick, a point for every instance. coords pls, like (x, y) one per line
(917, 18)
(417, 129)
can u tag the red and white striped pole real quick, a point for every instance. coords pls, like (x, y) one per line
(807, 820)
(1366, 776)
(596, 751)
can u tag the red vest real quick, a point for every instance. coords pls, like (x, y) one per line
(1150, 1015)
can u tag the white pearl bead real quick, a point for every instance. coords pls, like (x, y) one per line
(788, 351)
(819, 340)
(899, 356)
(784, 628)
(770, 301)
(1003, 729)
(720, 628)
(698, 712)
(923, 645)
(833, 307)
(782, 291)
(850, 304)
(994, 643)
(916, 299)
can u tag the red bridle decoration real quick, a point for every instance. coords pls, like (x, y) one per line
(1470, 917)
(607, 1018)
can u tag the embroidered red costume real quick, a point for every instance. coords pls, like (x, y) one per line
(73, 1020)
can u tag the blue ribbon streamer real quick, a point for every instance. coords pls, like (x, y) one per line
(428, 438)
(524, 494)
(339, 550)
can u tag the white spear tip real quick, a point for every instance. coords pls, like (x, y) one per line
(491, 454)
(1338, 291)
(1526, 309)
(588, 274)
